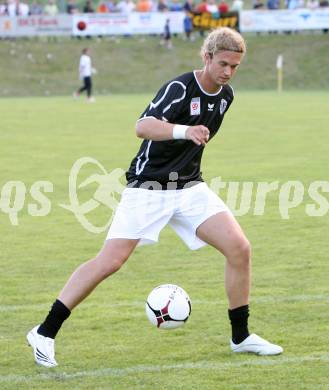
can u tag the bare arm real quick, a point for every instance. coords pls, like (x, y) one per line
(157, 130)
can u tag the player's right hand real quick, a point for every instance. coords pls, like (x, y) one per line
(198, 134)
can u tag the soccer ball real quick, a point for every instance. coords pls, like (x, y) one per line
(168, 306)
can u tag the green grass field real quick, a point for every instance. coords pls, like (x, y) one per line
(108, 342)
(137, 65)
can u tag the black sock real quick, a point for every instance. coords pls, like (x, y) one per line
(239, 323)
(54, 320)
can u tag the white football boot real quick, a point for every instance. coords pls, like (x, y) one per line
(43, 348)
(257, 345)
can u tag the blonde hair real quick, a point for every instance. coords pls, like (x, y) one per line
(223, 39)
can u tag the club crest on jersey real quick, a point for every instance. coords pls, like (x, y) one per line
(223, 105)
(211, 107)
(195, 106)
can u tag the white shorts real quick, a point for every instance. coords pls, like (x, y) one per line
(142, 214)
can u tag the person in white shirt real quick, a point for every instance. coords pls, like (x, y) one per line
(23, 9)
(51, 8)
(312, 4)
(126, 6)
(12, 9)
(237, 5)
(85, 73)
(3, 9)
(212, 7)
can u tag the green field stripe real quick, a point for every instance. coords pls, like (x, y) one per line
(265, 299)
(201, 365)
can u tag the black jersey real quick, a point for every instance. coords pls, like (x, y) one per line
(179, 101)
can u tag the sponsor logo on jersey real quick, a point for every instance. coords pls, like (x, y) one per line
(195, 106)
(211, 107)
(223, 105)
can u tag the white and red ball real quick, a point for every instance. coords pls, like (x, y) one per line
(168, 306)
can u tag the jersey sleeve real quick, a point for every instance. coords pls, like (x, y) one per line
(167, 103)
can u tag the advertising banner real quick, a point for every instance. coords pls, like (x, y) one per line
(153, 22)
(126, 24)
(100, 24)
(7, 26)
(207, 21)
(38, 25)
(284, 20)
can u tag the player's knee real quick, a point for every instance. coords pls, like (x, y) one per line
(244, 250)
(115, 265)
(240, 253)
(111, 265)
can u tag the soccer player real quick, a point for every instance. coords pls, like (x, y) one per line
(85, 73)
(165, 186)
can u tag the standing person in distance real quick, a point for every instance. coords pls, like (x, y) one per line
(184, 116)
(85, 72)
(166, 36)
(188, 26)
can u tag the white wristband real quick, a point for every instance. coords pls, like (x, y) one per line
(179, 132)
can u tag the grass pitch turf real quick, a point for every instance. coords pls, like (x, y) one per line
(37, 67)
(108, 342)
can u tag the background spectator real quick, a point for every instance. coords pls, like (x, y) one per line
(111, 6)
(51, 8)
(312, 4)
(201, 7)
(11, 8)
(144, 6)
(223, 7)
(293, 4)
(166, 37)
(102, 8)
(175, 5)
(71, 7)
(273, 4)
(36, 8)
(257, 4)
(88, 7)
(188, 25)
(85, 74)
(126, 6)
(16, 8)
(189, 6)
(162, 6)
(3, 8)
(23, 8)
(212, 7)
(237, 5)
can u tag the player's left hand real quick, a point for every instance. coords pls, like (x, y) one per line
(198, 134)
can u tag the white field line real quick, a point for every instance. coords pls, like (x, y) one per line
(140, 369)
(126, 303)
